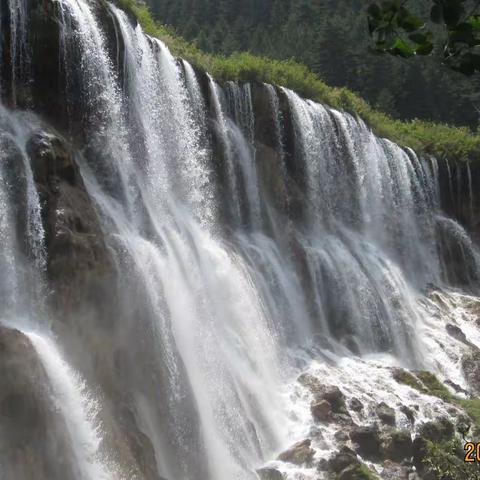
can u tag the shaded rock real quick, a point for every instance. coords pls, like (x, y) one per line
(342, 436)
(299, 454)
(342, 459)
(38, 445)
(335, 397)
(321, 411)
(386, 414)
(367, 440)
(409, 413)
(437, 431)
(269, 474)
(471, 369)
(457, 388)
(396, 445)
(456, 332)
(356, 405)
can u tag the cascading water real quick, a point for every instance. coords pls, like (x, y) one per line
(250, 240)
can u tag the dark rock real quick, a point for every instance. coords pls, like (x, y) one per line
(397, 445)
(437, 431)
(367, 440)
(386, 414)
(299, 454)
(456, 333)
(342, 436)
(409, 413)
(356, 405)
(269, 474)
(457, 388)
(321, 411)
(331, 393)
(39, 445)
(335, 397)
(342, 459)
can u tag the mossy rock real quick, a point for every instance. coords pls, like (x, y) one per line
(357, 472)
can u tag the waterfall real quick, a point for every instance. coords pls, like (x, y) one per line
(78, 409)
(251, 235)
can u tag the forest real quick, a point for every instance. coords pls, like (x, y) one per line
(330, 37)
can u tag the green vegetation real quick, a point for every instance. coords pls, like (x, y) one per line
(425, 137)
(445, 461)
(429, 384)
(332, 38)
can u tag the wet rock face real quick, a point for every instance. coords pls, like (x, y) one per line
(79, 262)
(386, 414)
(471, 369)
(33, 438)
(367, 440)
(299, 454)
(269, 474)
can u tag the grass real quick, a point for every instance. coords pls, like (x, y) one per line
(425, 137)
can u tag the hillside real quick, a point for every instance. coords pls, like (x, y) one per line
(334, 43)
(438, 139)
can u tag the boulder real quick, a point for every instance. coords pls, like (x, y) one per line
(268, 473)
(355, 404)
(437, 431)
(386, 414)
(396, 445)
(321, 411)
(456, 332)
(367, 440)
(299, 454)
(409, 413)
(342, 436)
(335, 397)
(342, 459)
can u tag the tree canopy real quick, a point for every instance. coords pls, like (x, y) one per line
(332, 38)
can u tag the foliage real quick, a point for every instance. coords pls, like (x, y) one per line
(445, 462)
(333, 41)
(428, 383)
(396, 30)
(425, 137)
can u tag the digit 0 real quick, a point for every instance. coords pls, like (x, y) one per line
(470, 449)
(478, 452)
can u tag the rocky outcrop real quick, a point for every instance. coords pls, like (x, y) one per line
(33, 438)
(299, 454)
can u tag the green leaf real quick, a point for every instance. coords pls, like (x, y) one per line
(474, 22)
(409, 22)
(424, 49)
(402, 48)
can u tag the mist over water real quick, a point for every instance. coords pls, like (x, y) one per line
(233, 276)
